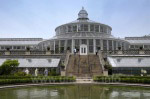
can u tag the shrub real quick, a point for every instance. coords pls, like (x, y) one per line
(8, 67)
(20, 74)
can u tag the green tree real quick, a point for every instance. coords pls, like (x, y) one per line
(8, 67)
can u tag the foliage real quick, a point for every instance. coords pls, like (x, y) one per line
(122, 79)
(8, 67)
(108, 67)
(31, 79)
(53, 72)
(20, 74)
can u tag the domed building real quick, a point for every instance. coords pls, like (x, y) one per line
(85, 35)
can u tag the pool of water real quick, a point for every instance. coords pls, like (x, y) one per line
(75, 92)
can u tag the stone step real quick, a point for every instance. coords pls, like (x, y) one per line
(84, 80)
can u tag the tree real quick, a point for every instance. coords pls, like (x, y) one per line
(8, 67)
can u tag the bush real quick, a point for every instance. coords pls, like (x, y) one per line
(8, 67)
(20, 74)
(31, 79)
(123, 79)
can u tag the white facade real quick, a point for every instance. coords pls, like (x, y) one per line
(95, 35)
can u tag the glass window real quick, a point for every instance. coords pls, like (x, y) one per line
(74, 28)
(91, 46)
(84, 41)
(80, 27)
(91, 42)
(69, 28)
(110, 44)
(76, 42)
(101, 29)
(145, 46)
(115, 47)
(85, 27)
(96, 28)
(92, 28)
(104, 45)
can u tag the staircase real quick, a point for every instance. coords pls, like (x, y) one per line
(83, 66)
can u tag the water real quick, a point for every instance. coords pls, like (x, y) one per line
(75, 92)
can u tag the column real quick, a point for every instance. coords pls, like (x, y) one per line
(113, 45)
(54, 46)
(59, 46)
(107, 44)
(101, 42)
(87, 46)
(72, 45)
(99, 28)
(89, 28)
(94, 44)
(65, 46)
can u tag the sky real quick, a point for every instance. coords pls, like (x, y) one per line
(39, 18)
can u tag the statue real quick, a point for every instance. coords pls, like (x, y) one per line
(27, 71)
(36, 72)
(46, 72)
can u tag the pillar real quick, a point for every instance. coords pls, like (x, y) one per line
(101, 42)
(54, 46)
(72, 45)
(107, 44)
(94, 44)
(113, 45)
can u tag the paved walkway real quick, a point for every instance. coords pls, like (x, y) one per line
(78, 81)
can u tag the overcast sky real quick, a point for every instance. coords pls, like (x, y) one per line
(39, 18)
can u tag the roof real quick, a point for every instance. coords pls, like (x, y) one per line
(139, 41)
(129, 61)
(35, 62)
(84, 35)
(20, 41)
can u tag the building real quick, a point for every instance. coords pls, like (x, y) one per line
(83, 33)
(139, 42)
(85, 37)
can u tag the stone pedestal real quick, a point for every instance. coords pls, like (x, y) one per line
(141, 52)
(63, 73)
(7, 53)
(105, 73)
(48, 53)
(27, 53)
(120, 52)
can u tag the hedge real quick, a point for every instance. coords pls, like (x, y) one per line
(41, 79)
(122, 79)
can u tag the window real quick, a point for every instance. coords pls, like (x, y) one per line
(92, 28)
(74, 28)
(85, 27)
(69, 28)
(110, 44)
(118, 60)
(96, 28)
(101, 29)
(132, 46)
(49, 60)
(104, 45)
(29, 60)
(84, 41)
(139, 60)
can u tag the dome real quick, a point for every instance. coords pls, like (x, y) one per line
(83, 15)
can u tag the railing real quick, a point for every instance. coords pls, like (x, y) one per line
(22, 52)
(2, 52)
(101, 60)
(66, 60)
(37, 52)
(104, 52)
(17, 52)
(126, 52)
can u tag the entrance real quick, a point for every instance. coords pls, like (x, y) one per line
(83, 49)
